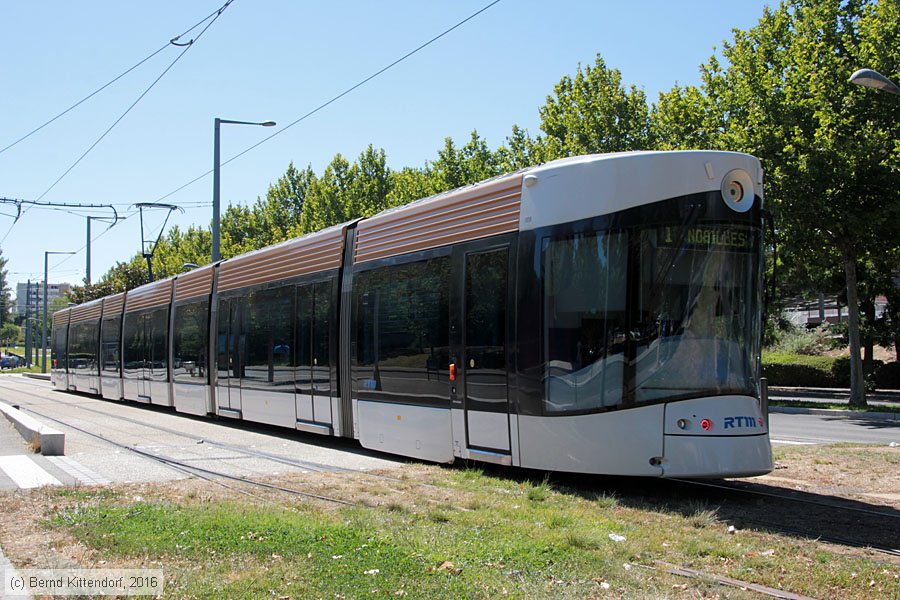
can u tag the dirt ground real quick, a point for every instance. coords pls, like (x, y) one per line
(868, 474)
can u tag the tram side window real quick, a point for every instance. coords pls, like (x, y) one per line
(190, 342)
(269, 339)
(584, 320)
(109, 346)
(58, 348)
(402, 332)
(134, 341)
(83, 347)
(157, 344)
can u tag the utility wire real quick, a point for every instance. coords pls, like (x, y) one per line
(307, 115)
(336, 98)
(109, 83)
(187, 47)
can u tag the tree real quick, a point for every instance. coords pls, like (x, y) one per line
(830, 149)
(121, 277)
(593, 112)
(4, 291)
(9, 333)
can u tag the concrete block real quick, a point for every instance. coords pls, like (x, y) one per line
(52, 441)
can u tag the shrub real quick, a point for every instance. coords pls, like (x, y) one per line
(800, 370)
(887, 377)
(797, 340)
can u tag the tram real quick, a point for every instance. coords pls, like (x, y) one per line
(597, 314)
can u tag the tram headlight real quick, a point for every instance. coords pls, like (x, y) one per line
(682, 423)
(737, 190)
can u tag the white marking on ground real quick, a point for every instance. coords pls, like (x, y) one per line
(793, 443)
(77, 470)
(9, 574)
(25, 472)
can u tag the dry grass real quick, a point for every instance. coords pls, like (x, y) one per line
(446, 533)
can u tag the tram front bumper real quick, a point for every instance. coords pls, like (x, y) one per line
(707, 456)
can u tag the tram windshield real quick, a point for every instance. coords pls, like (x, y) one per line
(697, 330)
(650, 314)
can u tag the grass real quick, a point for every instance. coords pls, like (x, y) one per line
(498, 537)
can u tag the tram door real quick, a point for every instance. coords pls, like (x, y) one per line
(483, 365)
(313, 358)
(229, 359)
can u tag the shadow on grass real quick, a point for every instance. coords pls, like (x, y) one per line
(746, 504)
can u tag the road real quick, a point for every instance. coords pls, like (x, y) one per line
(822, 429)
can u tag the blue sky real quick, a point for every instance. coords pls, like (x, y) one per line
(278, 59)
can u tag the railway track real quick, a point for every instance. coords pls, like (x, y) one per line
(202, 472)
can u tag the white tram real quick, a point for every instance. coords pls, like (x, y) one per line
(599, 314)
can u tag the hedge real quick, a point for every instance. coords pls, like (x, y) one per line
(887, 377)
(800, 370)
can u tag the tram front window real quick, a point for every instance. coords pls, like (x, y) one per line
(649, 315)
(697, 322)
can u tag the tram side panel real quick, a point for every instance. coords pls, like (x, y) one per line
(400, 355)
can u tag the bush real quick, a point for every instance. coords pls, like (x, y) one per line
(797, 340)
(887, 377)
(801, 370)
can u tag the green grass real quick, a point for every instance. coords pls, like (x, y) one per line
(519, 539)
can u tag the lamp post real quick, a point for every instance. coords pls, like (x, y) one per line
(216, 167)
(874, 79)
(44, 324)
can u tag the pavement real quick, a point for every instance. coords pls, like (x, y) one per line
(131, 435)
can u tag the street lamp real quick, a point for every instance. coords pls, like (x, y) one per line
(44, 324)
(874, 79)
(216, 166)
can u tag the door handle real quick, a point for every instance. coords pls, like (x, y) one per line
(452, 371)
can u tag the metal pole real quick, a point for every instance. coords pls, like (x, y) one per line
(215, 218)
(29, 351)
(87, 269)
(44, 323)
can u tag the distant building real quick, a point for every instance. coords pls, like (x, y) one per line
(826, 309)
(36, 297)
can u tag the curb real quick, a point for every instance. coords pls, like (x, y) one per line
(52, 442)
(41, 376)
(793, 410)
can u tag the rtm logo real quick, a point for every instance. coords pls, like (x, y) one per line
(750, 422)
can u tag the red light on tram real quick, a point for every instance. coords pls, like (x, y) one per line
(706, 424)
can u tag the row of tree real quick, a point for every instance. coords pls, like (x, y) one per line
(779, 91)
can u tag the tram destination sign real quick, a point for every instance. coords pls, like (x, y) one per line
(713, 237)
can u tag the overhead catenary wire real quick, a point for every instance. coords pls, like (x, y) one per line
(111, 81)
(187, 47)
(312, 112)
(335, 98)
